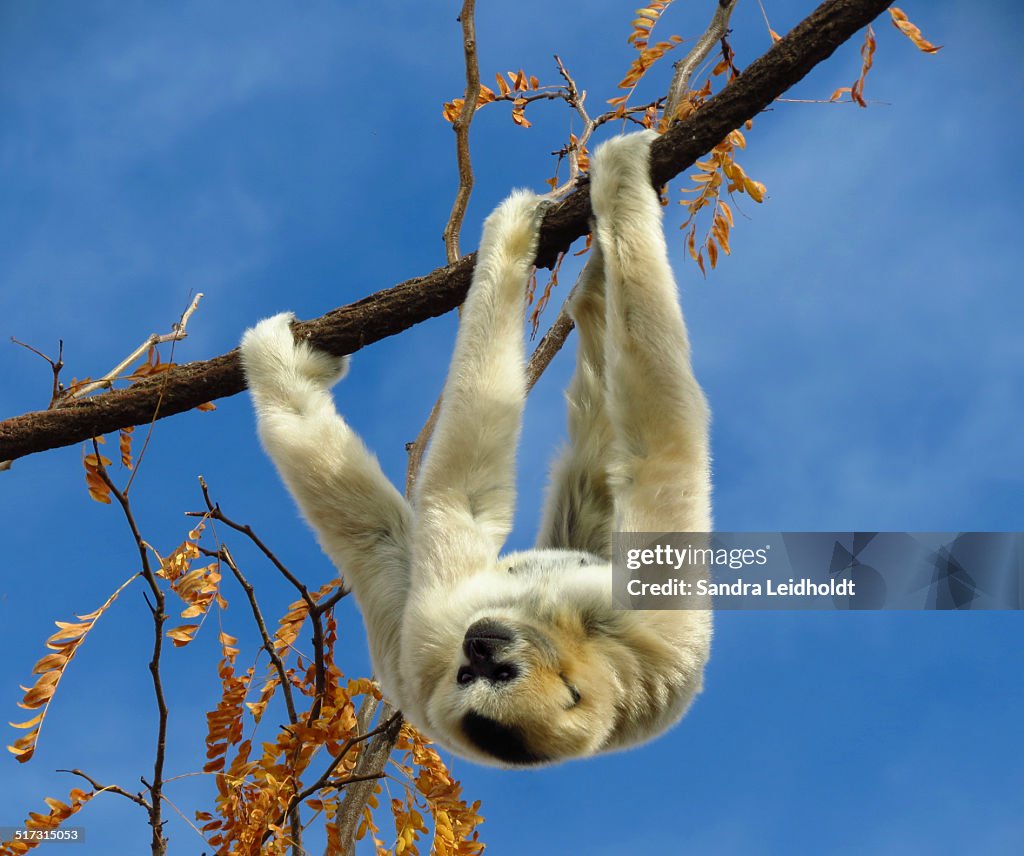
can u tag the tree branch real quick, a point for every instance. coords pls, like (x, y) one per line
(349, 328)
(685, 68)
(460, 126)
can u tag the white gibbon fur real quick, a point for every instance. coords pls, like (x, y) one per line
(519, 659)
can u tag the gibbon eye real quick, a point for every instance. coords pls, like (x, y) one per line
(573, 692)
(505, 673)
(465, 675)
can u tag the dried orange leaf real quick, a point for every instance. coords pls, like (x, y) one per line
(712, 252)
(902, 23)
(35, 720)
(182, 635)
(755, 189)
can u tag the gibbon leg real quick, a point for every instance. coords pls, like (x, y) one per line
(465, 493)
(362, 522)
(578, 511)
(660, 464)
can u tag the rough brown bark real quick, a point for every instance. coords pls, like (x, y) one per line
(349, 328)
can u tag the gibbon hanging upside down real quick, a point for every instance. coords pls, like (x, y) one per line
(519, 659)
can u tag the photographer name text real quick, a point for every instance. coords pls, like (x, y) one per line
(739, 588)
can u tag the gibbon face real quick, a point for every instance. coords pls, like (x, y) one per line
(519, 691)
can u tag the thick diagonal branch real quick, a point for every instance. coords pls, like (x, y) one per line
(349, 328)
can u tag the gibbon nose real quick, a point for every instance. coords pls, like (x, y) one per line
(484, 644)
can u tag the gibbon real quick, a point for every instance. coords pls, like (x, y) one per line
(519, 659)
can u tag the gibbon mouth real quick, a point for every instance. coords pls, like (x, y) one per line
(503, 742)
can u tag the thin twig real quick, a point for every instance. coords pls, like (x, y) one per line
(183, 816)
(177, 332)
(223, 554)
(316, 615)
(548, 346)
(159, 843)
(767, 23)
(138, 799)
(576, 100)
(55, 366)
(460, 126)
(268, 644)
(417, 447)
(214, 512)
(453, 228)
(685, 67)
(331, 602)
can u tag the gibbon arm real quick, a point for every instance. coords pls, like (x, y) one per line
(578, 511)
(466, 491)
(660, 465)
(362, 522)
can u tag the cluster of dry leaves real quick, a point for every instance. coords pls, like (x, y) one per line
(867, 54)
(260, 785)
(720, 172)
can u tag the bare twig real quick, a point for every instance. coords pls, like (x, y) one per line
(138, 799)
(183, 816)
(767, 23)
(214, 512)
(417, 447)
(548, 346)
(268, 644)
(330, 602)
(576, 100)
(177, 332)
(55, 366)
(460, 126)
(685, 67)
(453, 228)
(159, 843)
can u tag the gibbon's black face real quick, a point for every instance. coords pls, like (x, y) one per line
(523, 694)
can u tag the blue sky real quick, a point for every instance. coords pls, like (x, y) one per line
(861, 350)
